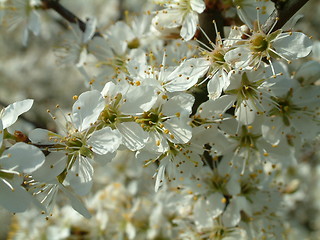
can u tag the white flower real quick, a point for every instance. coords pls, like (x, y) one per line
(178, 13)
(10, 114)
(258, 45)
(296, 114)
(122, 43)
(22, 12)
(20, 159)
(80, 144)
(75, 49)
(175, 164)
(123, 103)
(169, 79)
(16, 161)
(167, 121)
(251, 93)
(246, 146)
(249, 9)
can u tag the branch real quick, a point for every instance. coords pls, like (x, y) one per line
(66, 14)
(121, 10)
(283, 13)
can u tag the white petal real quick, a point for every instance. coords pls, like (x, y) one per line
(216, 84)
(22, 157)
(186, 74)
(25, 36)
(181, 103)
(130, 230)
(179, 129)
(80, 176)
(215, 205)
(90, 29)
(41, 136)
(306, 126)
(245, 113)
(100, 48)
(105, 141)
(139, 99)
(86, 109)
(293, 46)
(81, 58)
(213, 108)
(201, 215)
(233, 187)
(197, 5)
(12, 112)
(189, 26)
(133, 136)
(75, 202)
(239, 57)
(104, 159)
(109, 90)
(157, 143)
(272, 129)
(231, 217)
(34, 23)
(1, 133)
(167, 19)
(14, 201)
(54, 164)
(309, 72)
(160, 175)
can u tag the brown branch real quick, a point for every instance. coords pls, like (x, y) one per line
(66, 14)
(121, 10)
(282, 14)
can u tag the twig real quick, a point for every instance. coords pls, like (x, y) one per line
(66, 14)
(121, 10)
(283, 14)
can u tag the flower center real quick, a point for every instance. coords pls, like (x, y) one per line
(217, 56)
(247, 139)
(248, 90)
(151, 121)
(110, 115)
(135, 43)
(259, 43)
(217, 183)
(74, 144)
(285, 108)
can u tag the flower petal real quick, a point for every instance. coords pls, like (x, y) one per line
(22, 157)
(12, 112)
(86, 109)
(133, 136)
(105, 141)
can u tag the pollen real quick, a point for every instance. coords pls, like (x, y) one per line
(224, 200)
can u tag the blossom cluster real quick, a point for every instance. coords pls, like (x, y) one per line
(153, 160)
